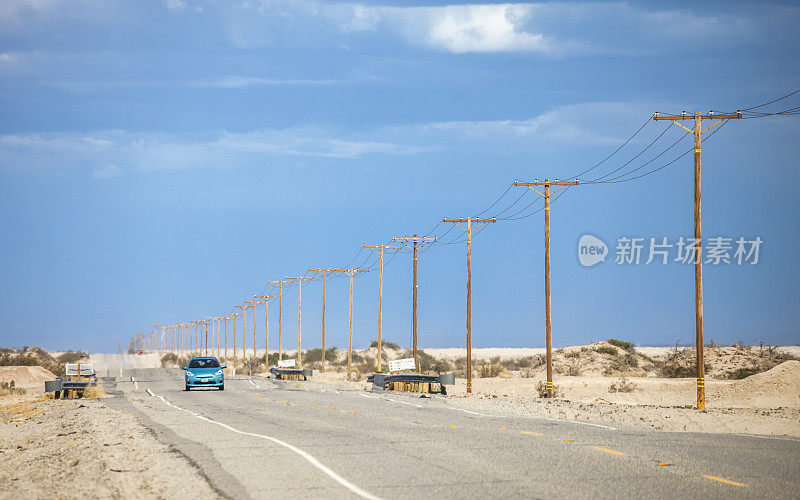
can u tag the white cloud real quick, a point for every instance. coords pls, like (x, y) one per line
(110, 152)
(107, 153)
(469, 28)
(552, 29)
(175, 5)
(107, 172)
(236, 82)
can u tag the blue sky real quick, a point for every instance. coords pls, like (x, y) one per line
(160, 161)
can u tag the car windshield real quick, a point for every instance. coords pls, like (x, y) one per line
(204, 363)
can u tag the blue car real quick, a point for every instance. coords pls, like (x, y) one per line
(204, 372)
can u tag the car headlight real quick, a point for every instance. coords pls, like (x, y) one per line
(190, 374)
(219, 372)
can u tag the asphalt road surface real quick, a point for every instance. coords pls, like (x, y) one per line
(264, 438)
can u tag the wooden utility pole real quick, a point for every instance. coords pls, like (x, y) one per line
(266, 325)
(324, 273)
(280, 317)
(218, 319)
(352, 273)
(244, 331)
(299, 280)
(213, 322)
(234, 339)
(380, 248)
(469, 228)
(225, 319)
(205, 327)
(414, 242)
(254, 303)
(547, 321)
(698, 264)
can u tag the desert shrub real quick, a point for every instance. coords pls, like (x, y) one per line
(741, 373)
(385, 345)
(646, 358)
(781, 356)
(169, 359)
(490, 370)
(573, 354)
(622, 364)
(607, 349)
(72, 356)
(541, 389)
(628, 346)
(11, 388)
(273, 358)
(622, 385)
(315, 355)
(517, 363)
(442, 366)
(574, 367)
(254, 365)
(425, 360)
(678, 370)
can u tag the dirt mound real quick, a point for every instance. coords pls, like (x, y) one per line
(26, 377)
(781, 383)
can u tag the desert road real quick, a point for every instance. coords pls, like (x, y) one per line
(264, 438)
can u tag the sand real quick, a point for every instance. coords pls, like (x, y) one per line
(84, 449)
(31, 378)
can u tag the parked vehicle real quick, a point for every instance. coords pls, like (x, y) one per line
(204, 371)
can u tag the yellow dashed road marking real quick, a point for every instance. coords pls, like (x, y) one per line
(501, 429)
(569, 439)
(726, 481)
(608, 451)
(452, 426)
(532, 433)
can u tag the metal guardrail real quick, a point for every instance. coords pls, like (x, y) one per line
(60, 386)
(291, 373)
(420, 382)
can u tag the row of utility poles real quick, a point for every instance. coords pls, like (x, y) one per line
(176, 338)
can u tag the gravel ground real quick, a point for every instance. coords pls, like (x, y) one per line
(83, 448)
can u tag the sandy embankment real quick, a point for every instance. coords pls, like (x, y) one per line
(30, 378)
(84, 449)
(767, 403)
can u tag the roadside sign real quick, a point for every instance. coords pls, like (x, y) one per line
(286, 363)
(401, 364)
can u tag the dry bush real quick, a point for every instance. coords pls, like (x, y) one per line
(622, 385)
(574, 366)
(7, 388)
(72, 357)
(490, 370)
(94, 392)
(607, 349)
(169, 359)
(541, 389)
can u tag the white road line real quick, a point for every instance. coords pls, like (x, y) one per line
(150, 392)
(254, 384)
(313, 461)
(403, 402)
(368, 396)
(136, 385)
(583, 423)
(780, 438)
(471, 412)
